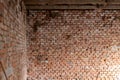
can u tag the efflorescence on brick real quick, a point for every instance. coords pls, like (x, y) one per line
(74, 45)
(12, 39)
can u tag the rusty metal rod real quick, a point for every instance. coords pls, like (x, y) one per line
(3, 70)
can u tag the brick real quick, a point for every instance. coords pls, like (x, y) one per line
(75, 45)
(79, 45)
(11, 44)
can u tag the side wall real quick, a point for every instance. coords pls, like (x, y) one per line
(12, 40)
(74, 45)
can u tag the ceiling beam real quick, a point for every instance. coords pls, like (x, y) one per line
(51, 2)
(59, 7)
(72, 7)
(72, 4)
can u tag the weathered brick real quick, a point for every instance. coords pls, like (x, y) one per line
(75, 45)
(11, 44)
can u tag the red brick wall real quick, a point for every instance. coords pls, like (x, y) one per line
(12, 40)
(74, 45)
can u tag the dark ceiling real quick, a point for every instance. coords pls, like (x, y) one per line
(72, 4)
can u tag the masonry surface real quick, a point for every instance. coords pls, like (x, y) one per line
(58, 44)
(74, 45)
(12, 40)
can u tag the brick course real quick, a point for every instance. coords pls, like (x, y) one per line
(74, 45)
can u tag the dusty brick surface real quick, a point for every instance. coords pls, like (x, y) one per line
(74, 45)
(12, 40)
